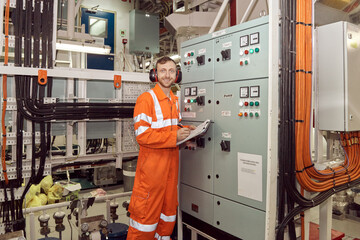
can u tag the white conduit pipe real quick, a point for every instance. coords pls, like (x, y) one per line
(248, 10)
(218, 16)
(71, 19)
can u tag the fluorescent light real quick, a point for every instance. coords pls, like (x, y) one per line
(175, 57)
(82, 47)
(147, 15)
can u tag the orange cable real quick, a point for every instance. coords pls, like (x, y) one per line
(4, 85)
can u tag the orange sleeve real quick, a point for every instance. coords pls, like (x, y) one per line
(144, 115)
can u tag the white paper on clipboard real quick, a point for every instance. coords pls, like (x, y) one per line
(201, 129)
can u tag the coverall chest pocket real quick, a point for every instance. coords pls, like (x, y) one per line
(139, 206)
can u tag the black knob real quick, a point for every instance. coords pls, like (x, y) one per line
(217, 175)
(218, 202)
(209, 176)
(225, 146)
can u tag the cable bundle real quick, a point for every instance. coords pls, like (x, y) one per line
(295, 125)
(34, 27)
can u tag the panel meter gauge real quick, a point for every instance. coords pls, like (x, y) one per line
(187, 92)
(244, 92)
(255, 91)
(193, 91)
(244, 41)
(254, 38)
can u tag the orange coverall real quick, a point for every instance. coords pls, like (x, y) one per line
(153, 201)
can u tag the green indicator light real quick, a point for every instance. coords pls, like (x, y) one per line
(257, 103)
(251, 103)
(246, 62)
(251, 51)
(256, 114)
(194, 100)
(192, 54)
(192, 62)
(251, 114)
(257, 49)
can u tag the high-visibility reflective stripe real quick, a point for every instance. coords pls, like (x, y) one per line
(140, 130)
(158, 237)
(164, 123)
(159, 115)
(143, 227)
(165, 218)
(177, 105)
(144, 117)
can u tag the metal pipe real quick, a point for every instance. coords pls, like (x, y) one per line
(108, 210)
(32, 226)
(77, 7)
(248, 10)
(218, 16)
(71, 19)
(54, 33)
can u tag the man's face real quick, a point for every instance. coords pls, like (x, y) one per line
(166, 74)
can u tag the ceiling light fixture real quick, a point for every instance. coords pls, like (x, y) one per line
(82, 47)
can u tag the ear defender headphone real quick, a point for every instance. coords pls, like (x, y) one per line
(154, 78)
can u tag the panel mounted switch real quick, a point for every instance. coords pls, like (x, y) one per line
(225, 146)
(200, 100)
(200, 60)
(200, 142)
(226, 54)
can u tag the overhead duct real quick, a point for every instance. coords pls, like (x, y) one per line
(186, 26)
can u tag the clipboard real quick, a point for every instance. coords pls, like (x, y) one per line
(201, 129)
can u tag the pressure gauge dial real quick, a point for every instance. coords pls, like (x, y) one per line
(244, 41)
(254, 38)
(103, 223)
(187, 92)
(84, 227)
(244, 92)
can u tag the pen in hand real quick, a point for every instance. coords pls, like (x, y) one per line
(181, 126)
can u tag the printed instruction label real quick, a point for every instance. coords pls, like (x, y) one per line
(227, 44)
(189, 114)
(226, 135)
(226, 113)
(202, 51)
(202, 91)
(250, 176)
(219, 33)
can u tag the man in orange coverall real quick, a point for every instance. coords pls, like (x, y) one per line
(153, 201)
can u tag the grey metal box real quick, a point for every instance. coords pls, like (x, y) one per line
(247, 135)
(338, 60)
(248, 58)
(196, 162)
(197, 203)
(144, 33)
(239, 220)
(198, 62)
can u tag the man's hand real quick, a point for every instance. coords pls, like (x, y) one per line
(192, 127)
(182, 133)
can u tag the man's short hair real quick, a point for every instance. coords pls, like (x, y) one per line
(164, 60)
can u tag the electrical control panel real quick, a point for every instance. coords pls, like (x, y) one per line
(197, 62)
(197, 101)
(225, 171)
(339, 108)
